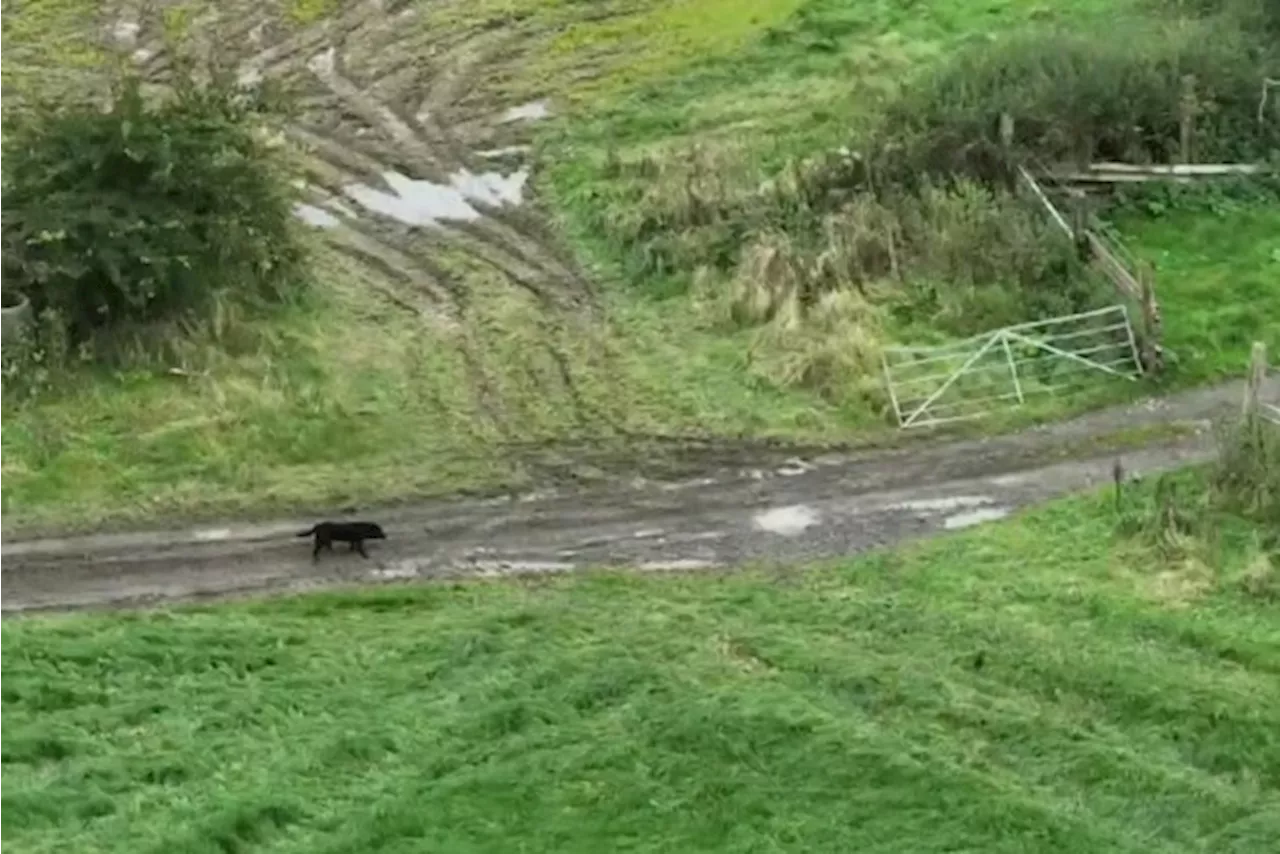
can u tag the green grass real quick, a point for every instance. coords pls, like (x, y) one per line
(1126, 700)
(1216, 275)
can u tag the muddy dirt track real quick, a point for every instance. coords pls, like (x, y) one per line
(800, 510)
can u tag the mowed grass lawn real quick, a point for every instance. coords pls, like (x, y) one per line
(1034, 686)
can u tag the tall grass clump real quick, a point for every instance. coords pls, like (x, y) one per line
(152, 213)
(1192, 519)
(945, 261)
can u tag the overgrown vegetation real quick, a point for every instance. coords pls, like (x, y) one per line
(1234, 507)
(121, 220)
(909, 226)
(1044, 683)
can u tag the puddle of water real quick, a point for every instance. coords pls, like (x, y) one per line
(498, 568)
(941, 504)
(490, 187)
(210, 535)
(674, 565)
(786, 521)
(312, 215)
(793, 467)
(529, 112)
(975, 517)
(416, 202)
(399, 569)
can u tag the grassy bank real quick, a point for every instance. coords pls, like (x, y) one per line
(1044, 683)
(344, 398)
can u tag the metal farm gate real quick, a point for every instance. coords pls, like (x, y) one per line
(972, 378)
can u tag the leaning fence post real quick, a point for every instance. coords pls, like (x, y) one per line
(1152, 353)
(1013, 367)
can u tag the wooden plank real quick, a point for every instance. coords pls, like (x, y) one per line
(1124, 173)
(1180, 168)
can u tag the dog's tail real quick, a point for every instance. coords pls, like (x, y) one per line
(309, 531)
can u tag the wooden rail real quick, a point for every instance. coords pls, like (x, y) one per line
(1133, 285)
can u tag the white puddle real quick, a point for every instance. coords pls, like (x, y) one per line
(416, 202)
(786, 521)
(941, 504)
(210, 535)
(975, 517)
(312, 215)
(400, 569)
(529, 112)
(793, 467)
(677, 565)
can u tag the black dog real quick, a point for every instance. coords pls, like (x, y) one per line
(354, 533)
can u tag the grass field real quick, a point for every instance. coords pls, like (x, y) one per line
(1042, 684)
(278, 412)
(1217, 274)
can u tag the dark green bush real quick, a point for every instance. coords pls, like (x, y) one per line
(148, 211)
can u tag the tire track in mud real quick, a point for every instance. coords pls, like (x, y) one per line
(390, 182)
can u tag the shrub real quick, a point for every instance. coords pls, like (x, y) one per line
(147, 211)
(1113, 95)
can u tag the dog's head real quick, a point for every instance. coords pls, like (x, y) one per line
(378, 533)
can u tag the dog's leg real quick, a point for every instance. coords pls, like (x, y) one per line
(359, 544)
(315, 552)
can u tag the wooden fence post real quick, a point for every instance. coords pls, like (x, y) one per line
(1080, 222)
(1257, 375)
(1188, 109)
(1152, 352)
(1004, 133)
